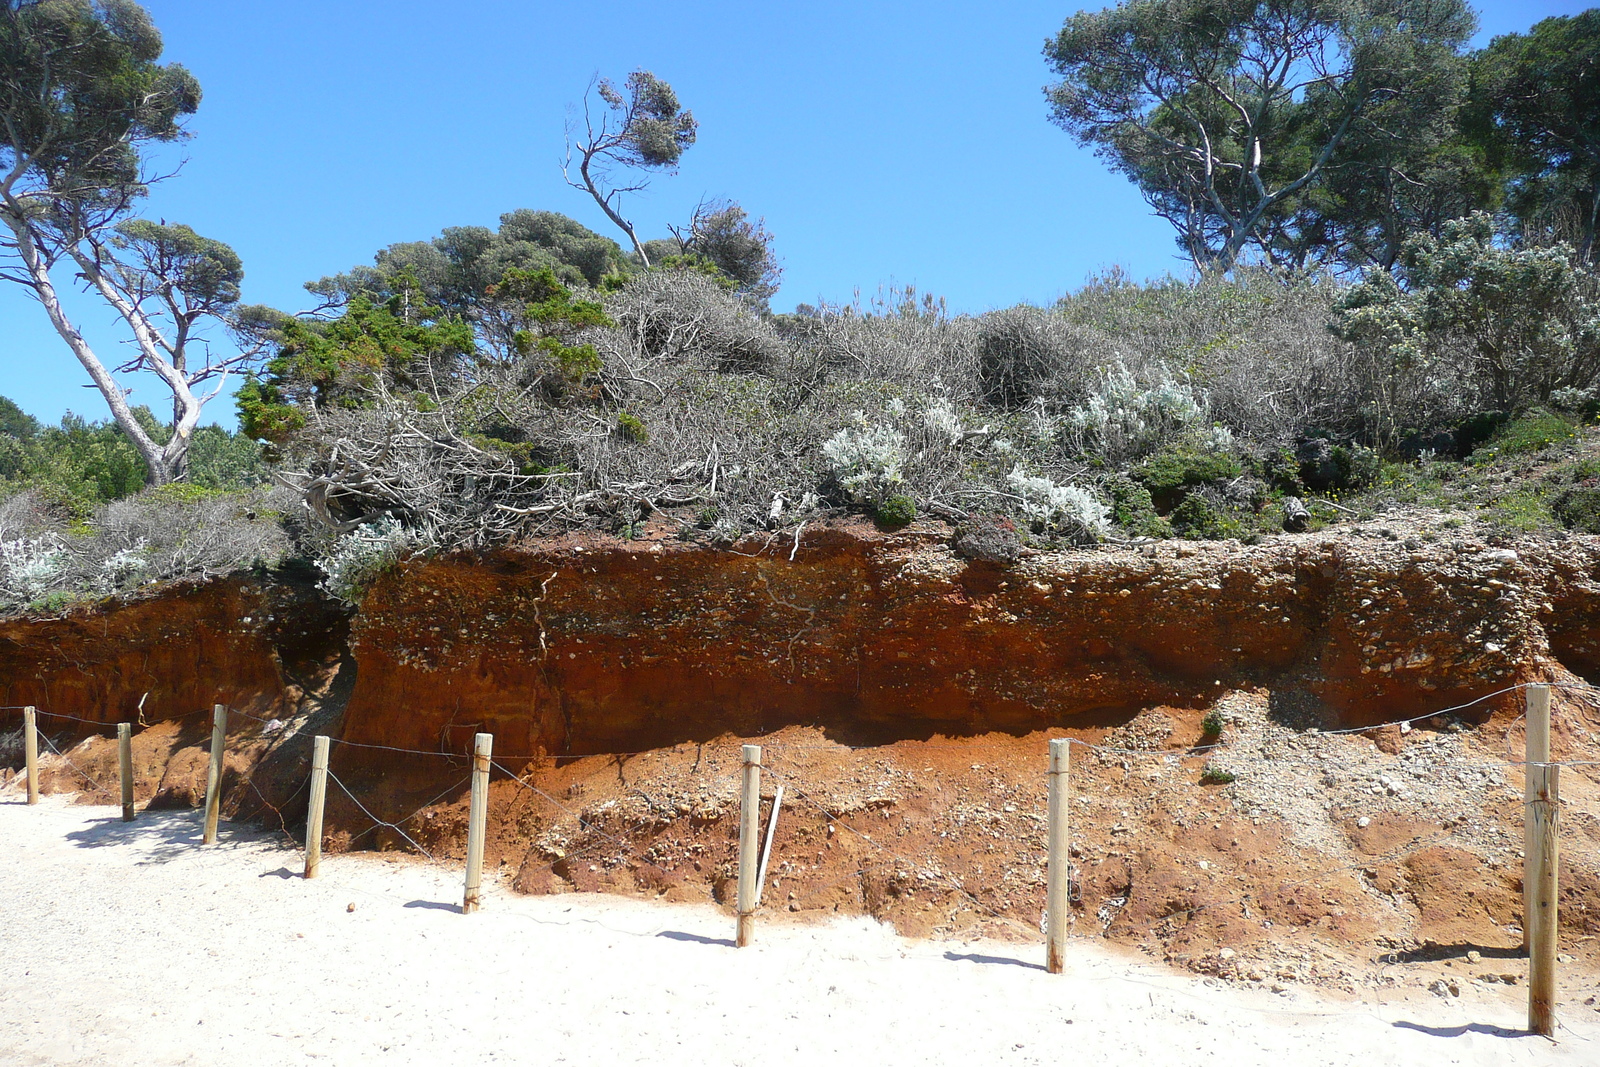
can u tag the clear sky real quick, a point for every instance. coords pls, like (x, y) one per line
(883, 142)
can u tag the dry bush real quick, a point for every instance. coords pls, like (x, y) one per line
(25, 514)
(1257, 344)
(1028, 353)
(680, 317)
(709, 412)
(188, 535)
(163, 534)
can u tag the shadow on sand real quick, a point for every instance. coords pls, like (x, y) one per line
(978, 957)
(699, 939)
(1465, 1028)
(164, 835)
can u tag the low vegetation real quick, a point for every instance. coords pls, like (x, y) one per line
(1398, 307)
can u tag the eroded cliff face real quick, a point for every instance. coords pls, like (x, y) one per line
(256, 644)
(903, 694)
(271, 648)
(578, 647)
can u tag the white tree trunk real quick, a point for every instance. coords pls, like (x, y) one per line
(155, 457)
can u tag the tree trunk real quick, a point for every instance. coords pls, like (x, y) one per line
(622, 224)
(157, 464)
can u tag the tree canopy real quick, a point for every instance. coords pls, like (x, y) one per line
(1540, 93)
(82, 93)
(1224, 111)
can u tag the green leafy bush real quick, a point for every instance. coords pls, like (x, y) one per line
(631, 428)
(1328, 467)
(1533, 432)
(897, 511)
(1211, 725)
(1213, 775)
(1575, 495)
(1133, 509)
(1578, 508)
(1200, 520)
(1168, 474)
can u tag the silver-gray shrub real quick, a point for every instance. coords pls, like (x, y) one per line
(867, 461)
(1070, 511)
(356, 559)
(159, 535)
(1123, 419)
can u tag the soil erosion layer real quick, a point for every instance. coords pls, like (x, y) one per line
(903, 694)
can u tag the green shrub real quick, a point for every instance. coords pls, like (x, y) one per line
(1522, 510)
(631, 429)
(897, 511)
(1198, 519)
(1133, 509)
(1578, 508)
(1217, 776)
(1280, 470)
(1166, 474)
(181, 493)
(52, 603)
(1358, 467)
(1211, 725)
(1328, 467)
(1477, 429)
(1180, 467)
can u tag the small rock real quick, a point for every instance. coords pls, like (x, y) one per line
(1364, 822)
(1474, 956)
(349, 907)
(1442, 988)
(988, 539)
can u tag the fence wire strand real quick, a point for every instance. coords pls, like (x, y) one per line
(889, 856)
(380, 823)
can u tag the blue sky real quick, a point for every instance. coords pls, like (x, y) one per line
(883, 142)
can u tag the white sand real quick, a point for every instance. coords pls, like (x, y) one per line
(126, 945)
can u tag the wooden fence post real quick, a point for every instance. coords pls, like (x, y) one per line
(749, 838)
(1541, 861)
(477, 821)
(30, 747)
(125, 767)
(1535, 749)
(1059, 871)
(319, 797)
(1540, 908)
(219, 739)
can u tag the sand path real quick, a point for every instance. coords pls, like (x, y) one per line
(132, 944)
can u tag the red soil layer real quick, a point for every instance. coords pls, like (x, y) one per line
(255, 645)
(572, 647)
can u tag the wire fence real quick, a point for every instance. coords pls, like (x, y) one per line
(591, 837)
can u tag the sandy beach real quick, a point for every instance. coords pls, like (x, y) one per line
(134, 944)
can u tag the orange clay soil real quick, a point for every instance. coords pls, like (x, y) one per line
(903, 697)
